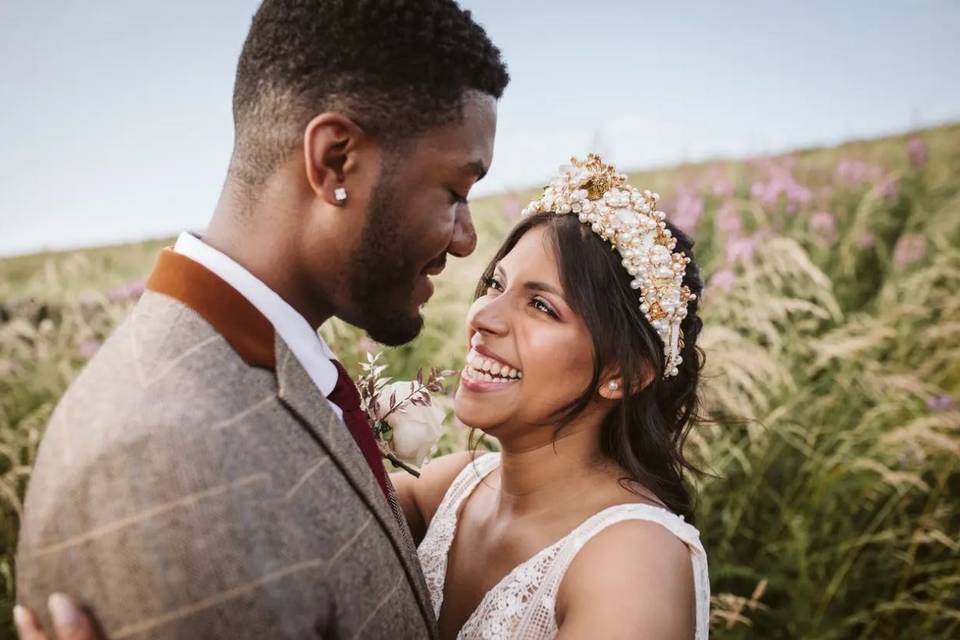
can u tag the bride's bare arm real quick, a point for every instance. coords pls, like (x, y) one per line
(420, 497)
(633, 580)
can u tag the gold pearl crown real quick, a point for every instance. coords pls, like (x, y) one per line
(628, 219)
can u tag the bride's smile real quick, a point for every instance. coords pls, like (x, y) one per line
(524, 344)
(483, 366)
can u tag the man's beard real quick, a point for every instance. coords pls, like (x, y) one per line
(379, 282)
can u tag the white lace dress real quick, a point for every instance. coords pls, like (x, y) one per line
(522, 604)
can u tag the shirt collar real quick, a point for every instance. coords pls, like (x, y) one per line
(305, 343)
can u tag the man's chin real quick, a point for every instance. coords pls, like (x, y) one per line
(396, 329)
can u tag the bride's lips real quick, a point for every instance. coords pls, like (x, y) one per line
(486, 372)
(482, 386)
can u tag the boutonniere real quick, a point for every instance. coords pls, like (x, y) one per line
(405, 421)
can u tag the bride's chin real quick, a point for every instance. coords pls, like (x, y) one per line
(475, 417)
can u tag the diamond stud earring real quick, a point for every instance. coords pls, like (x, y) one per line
(613, 385)
(340, 194)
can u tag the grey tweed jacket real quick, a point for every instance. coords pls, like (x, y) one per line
(183, 493)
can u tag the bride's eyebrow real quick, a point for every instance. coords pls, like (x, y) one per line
(534, 285)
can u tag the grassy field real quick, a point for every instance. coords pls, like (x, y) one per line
(833, 333)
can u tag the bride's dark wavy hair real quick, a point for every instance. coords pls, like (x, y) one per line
(645, 433)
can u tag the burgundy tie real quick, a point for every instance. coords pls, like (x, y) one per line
(346, 396)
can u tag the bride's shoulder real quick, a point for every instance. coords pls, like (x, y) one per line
(437, 476)
(632, 577)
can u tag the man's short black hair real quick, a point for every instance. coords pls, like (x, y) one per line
(396, 67)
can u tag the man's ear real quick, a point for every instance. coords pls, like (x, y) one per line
(330, 145)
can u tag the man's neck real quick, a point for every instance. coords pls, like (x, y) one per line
(257, 237)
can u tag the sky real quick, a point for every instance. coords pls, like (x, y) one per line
(115, 115)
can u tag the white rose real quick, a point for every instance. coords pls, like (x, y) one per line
(415, 428)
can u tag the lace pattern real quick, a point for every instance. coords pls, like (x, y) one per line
(522, 604)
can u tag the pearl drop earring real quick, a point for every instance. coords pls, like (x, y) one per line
(340, 194)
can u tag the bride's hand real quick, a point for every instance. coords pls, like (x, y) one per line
(70, 621)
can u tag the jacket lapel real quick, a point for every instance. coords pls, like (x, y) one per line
(298, 393)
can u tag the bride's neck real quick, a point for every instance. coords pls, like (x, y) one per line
(534, 476)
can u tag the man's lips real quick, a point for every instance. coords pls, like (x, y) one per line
(425, 288)
(435, 267)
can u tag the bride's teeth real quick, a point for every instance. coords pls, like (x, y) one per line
(483, 368)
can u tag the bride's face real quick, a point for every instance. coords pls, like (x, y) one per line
(529, 354)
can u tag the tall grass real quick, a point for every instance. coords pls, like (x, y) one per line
(832, 340)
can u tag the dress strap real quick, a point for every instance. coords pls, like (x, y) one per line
(545, 599)
(465, 482)
(435, 547)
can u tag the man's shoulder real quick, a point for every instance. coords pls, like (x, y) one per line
(164, 375)
(164, 352)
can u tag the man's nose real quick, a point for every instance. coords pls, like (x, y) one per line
(464, 239)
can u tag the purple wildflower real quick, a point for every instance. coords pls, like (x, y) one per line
(687, 210)
(889, 187)
(917, 151)
(911, 247)
(728, 219)
(942, 402)
(722, 280)
(824, 224)
(129, 292)
(722, 186)
(780, 182)
(858, 172)
(740, 249)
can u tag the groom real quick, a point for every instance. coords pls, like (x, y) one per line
(210, 474)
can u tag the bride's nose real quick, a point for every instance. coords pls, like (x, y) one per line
(489, 317)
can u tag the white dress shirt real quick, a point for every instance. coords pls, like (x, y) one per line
(307, 346)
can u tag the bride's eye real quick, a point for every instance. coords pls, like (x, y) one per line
(490, 282)
(542, 306)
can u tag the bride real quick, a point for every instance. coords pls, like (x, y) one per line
(582, 365)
